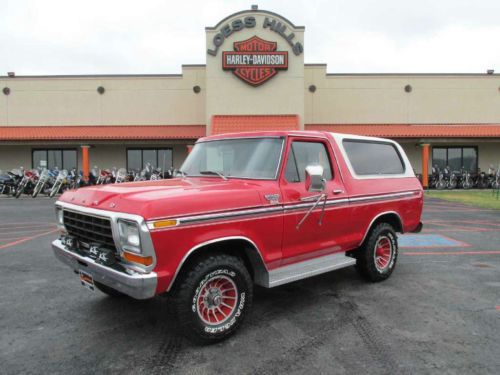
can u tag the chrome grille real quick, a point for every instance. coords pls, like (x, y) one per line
(89, 229)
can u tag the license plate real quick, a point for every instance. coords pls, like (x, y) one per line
(87, 280)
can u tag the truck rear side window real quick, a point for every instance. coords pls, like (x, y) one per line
(373, 158)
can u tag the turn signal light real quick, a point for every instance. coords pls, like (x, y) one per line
(146, 261)
(164, 224)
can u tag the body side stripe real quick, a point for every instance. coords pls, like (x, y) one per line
(194, 219)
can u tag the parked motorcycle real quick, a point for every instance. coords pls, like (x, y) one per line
(452, 178)
(496, 181)
(10, 180)
(46, 179)
(59, 184)
(27, 183)
(121, 176)
(156, 174)
(482, 180)
(491, 177)
(75, 179)
(442, 181)
(105, 177)
(466, 180)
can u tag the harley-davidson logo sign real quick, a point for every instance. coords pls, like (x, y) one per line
(255, 60)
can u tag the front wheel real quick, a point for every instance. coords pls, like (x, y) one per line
(19, 190)
(376, 258)
(210, 301)
(38, 189)
(54, 190)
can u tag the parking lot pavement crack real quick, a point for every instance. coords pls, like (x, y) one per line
(348, 315)
(371, 338)
(166, 358)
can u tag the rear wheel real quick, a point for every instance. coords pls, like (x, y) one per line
(211, 300)
(376, 258)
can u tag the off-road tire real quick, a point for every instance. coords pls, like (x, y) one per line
(108, 290)
(186, 303)
(366, 256)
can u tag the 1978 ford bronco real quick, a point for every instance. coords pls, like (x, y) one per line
(265, 208)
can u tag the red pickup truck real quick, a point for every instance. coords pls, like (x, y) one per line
(265, 208)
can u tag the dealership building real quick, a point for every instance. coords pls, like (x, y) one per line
(255, 78)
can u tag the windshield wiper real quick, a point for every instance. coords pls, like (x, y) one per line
(214, 173)
(182, 173)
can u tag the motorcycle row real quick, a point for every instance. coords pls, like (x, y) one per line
(448, 179)
(51, 182)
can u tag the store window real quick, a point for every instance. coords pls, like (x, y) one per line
(55, 158)
(137, 159)
(455, 158)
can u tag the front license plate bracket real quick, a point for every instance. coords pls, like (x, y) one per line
(87, 280)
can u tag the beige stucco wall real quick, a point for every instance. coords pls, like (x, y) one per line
(128, 100)
(414, 154)
(381, 98)
(14, 156)
(282, 94)
(489, 153)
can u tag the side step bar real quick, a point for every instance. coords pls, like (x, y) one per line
(308, 268)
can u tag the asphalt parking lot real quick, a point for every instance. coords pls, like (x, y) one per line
(438, 313)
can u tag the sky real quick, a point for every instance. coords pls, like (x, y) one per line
(39, 37)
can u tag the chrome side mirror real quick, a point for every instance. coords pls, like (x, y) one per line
(314, 178)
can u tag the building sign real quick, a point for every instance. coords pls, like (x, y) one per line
(255, 60)
(250, 22)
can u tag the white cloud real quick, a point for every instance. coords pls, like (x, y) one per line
(155, 36)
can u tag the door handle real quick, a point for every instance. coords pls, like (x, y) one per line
(337, 191)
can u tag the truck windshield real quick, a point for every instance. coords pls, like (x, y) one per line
(255, 158)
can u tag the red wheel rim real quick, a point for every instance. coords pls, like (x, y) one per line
(383, 253)
(217, 300)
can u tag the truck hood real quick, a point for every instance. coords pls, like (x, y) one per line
(168, 198)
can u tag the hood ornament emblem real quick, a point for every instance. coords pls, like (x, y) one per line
(112, 205)
(95, 203)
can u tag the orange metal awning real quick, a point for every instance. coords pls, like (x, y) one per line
(245, 123)
(96, 132)
(412, 130)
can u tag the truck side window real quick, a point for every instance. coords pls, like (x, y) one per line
(303, 154)
(373, 158)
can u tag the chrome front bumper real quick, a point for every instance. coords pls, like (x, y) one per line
(136, 285)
